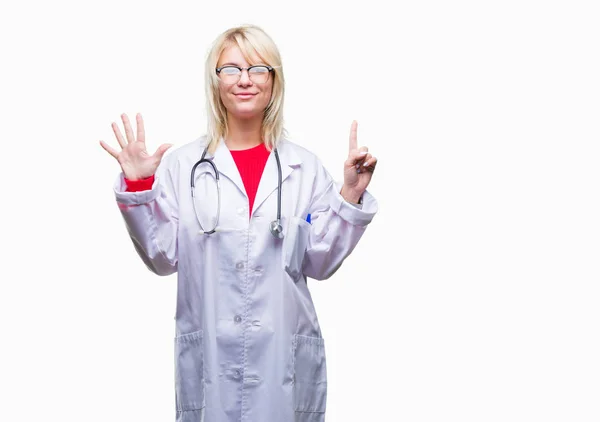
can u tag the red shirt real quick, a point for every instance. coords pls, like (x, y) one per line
(250, 163)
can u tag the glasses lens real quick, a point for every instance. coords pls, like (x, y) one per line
(230, 75)
(259, 74)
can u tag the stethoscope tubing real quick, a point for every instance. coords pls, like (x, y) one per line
(275, 226)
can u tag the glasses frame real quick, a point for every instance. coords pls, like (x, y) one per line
(241, 69)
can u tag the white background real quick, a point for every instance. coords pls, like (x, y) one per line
(473, 296)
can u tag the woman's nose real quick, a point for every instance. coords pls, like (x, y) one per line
(244, 78)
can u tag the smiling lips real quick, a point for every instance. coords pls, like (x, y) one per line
(245, 95)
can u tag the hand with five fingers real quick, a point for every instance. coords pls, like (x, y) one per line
(358, 169)
(135, 161)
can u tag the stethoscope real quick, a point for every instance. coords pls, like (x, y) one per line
(275, 226)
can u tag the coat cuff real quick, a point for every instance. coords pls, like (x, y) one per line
(134, 198)
(357, 216)
(139, 185)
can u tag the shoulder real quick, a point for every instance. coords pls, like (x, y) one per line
(191, 150)
(303, 155)
(312, 168)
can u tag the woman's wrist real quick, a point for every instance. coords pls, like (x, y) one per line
(350, 196)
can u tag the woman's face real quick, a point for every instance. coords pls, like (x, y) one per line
(246, 98)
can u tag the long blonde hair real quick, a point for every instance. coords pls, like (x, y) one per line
(252, 41)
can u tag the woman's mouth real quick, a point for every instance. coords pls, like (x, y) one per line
(245, 95)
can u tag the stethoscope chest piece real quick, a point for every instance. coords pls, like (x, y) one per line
(276, 229)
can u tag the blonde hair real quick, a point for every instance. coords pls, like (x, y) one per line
(253, 42)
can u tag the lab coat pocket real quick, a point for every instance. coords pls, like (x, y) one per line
(294, 246)
(189, 371)
(310, 378)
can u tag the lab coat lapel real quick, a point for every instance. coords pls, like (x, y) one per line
(227, 167)
(269, 179)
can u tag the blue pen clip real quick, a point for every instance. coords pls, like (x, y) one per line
(308, 219)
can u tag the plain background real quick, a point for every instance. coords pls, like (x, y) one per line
(473, 296)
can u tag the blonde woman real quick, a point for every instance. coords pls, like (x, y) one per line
(244, 216)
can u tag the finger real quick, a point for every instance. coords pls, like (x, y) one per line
(141, 135)
(370, 164)
(109, 149)
(355, 157)
(353, 139)
(161, 151)
(117, 132)
(365, 160)
(360, 165)
(366, 170)
(370, 161)
(359, 155)
(128, 130)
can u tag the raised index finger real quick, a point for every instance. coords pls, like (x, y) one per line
(353, 140)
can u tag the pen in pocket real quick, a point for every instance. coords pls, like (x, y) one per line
(308, 218)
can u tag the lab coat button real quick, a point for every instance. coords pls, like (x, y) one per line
(239, 265)
(237, 373)
(237, 319)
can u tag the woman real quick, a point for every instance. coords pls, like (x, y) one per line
(248, 344)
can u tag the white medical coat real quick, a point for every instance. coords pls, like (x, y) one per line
(248, 345)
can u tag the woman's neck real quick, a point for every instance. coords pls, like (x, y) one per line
(243, 134)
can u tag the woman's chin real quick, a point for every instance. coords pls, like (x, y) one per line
(243, 113)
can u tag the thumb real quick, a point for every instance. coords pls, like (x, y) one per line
(161, 151)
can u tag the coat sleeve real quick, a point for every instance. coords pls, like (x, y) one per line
(336, 227)
(151, 217)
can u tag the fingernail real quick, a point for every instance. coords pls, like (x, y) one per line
(363, 152)
(366, 164)
(358, 166)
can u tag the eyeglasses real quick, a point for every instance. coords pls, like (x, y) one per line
(232, 74)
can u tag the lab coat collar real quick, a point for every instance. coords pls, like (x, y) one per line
(227, 167)
(269, 179)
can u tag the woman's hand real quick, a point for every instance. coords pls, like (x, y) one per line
(135, 161)
(358, 169)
